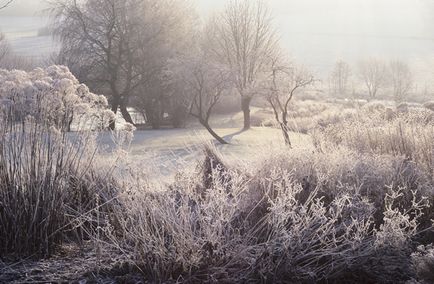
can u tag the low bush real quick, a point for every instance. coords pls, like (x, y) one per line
(429, 105)
(423, 261)
(51, 189)
(299, 216)
(409, 135)
(51, 186)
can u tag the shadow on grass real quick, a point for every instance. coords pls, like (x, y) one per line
(229, 137)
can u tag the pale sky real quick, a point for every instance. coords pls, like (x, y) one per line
(319, 32)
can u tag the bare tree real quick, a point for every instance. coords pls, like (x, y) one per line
(205, 82)
(401, 78)
(373, 72)
(5, 3)
(116, 46)
(245, 40)
(283, 83)
(339, 78)
(95, 34)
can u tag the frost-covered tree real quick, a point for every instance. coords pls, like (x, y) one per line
(401, 78)
(204, 82)
(243, 38)
(284, 81)
(339, 78)
(120, 47)
(373, 73)
(51, 96)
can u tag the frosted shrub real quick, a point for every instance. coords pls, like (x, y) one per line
(53, 96)
(429, 105)
(178, 231)
(305, 116)
(298, 216)
(409, 135)
(400, 226)
(50, 188)
(423, 261)
(374, 107)
(313, 239)
(402, 108)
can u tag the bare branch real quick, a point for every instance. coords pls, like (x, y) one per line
(243, 38)
(280, 87)
(8, 2)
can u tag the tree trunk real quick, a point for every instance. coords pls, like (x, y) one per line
(115, 106)
(69, 124)
(153, 112)
(286, 135)
(245, 107)
(126, 115)
(285, 129)
(120, 102)
(215, 135)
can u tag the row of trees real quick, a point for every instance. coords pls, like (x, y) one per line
(122, 48)
(375, 75)
(157, 56)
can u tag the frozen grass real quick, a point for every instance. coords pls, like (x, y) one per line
(51, 189)
(354, 206)
(169, 151)
(296, 216)
(410, 135)
(429, 105)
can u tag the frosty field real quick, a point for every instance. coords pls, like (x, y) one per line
(244, 141)
(168, 151)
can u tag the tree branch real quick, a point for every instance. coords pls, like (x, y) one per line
(6, 4)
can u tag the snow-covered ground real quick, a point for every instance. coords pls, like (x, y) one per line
(168, 151)
(25, 37)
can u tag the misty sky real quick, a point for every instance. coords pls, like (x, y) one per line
(319, 32)
(367, 17)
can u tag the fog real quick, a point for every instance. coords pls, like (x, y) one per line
(24, 8)
(271, 141)
(315, 32)
(319, 32)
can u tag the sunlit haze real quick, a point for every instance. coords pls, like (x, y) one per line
(217, 141)
(316, 32)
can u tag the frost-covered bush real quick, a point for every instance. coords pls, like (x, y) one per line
(409, 135)
(296, 217)
(305, 116)
(374, 106)
(429, 105)
(52, 96)
(52, 189)
(423, 261)
(402, 108)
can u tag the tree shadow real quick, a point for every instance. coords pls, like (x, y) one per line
(229, 137)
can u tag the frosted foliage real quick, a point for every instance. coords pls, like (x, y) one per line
(52, 96)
